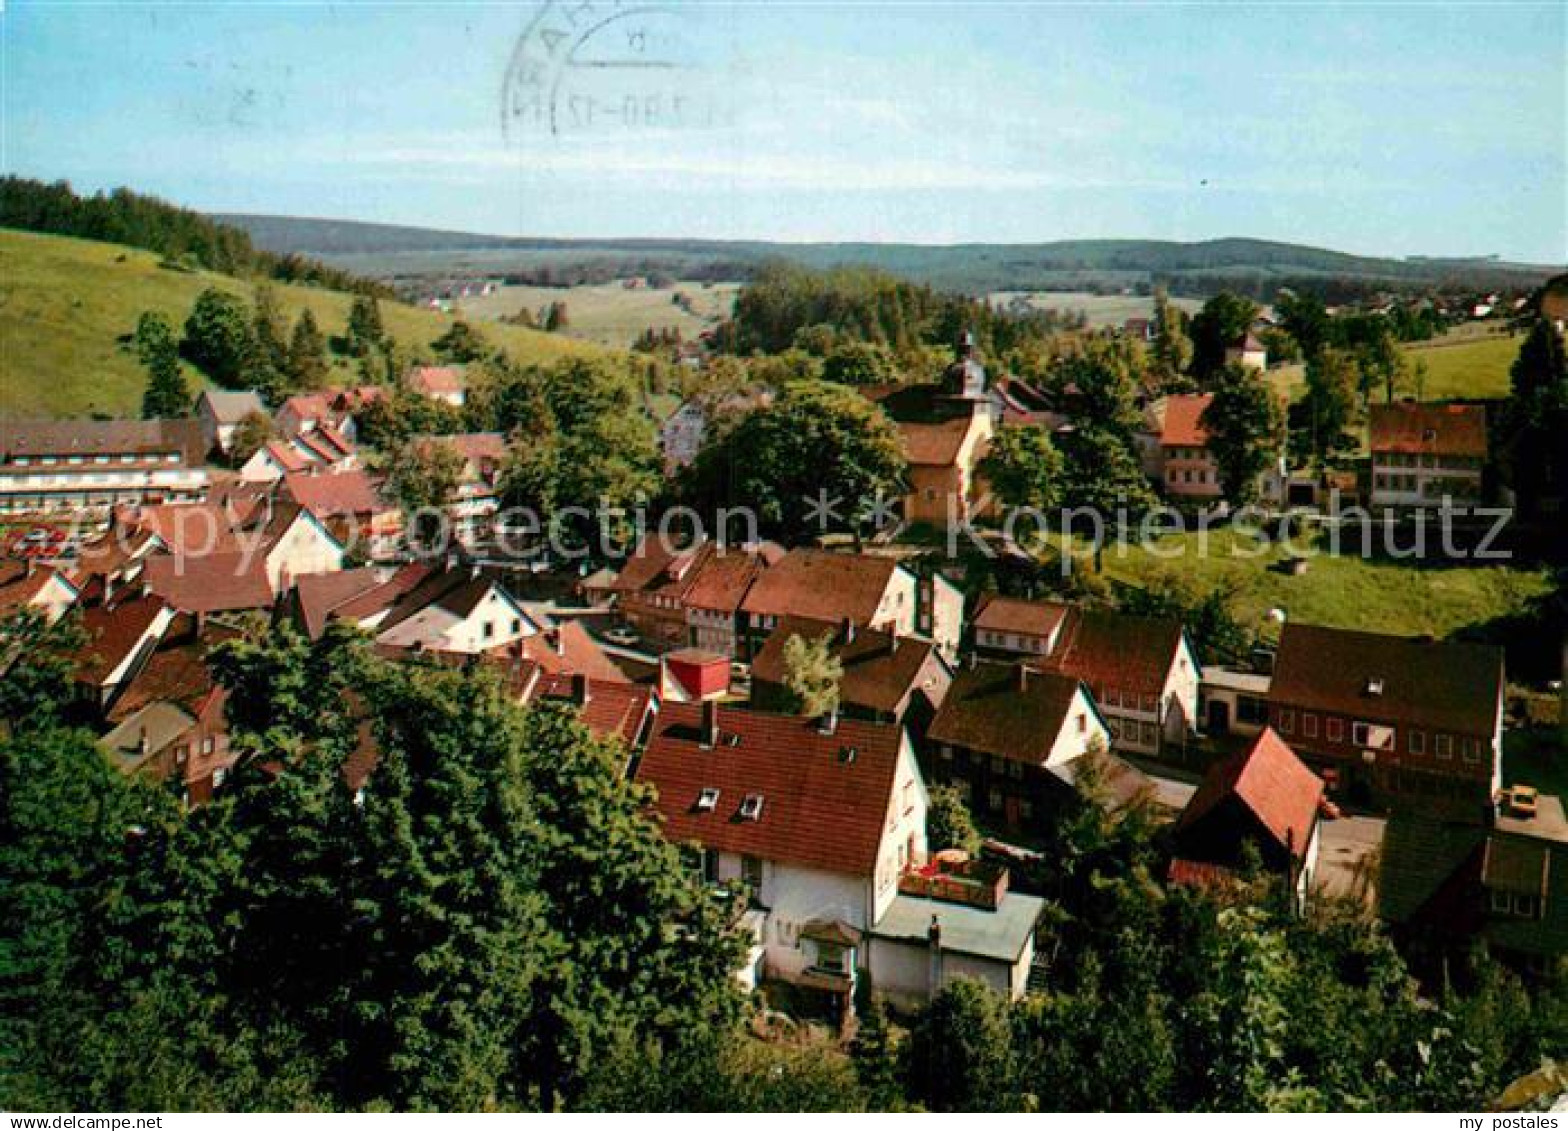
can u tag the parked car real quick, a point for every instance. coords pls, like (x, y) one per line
(621, 634)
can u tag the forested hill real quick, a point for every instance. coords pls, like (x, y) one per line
(1198, 268)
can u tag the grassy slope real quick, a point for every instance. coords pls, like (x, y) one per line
(1472, 360)
(609, 313)
(66, 303)
(1344, 592)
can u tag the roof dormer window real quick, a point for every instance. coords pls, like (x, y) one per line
(751, 807)
(707, 801)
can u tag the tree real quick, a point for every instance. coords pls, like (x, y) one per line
(365, 331)
(777, 460)
(167, 394)
(960, 1055)
(1535, 415)
(1330, 406)
(268, 347)
(218, 337)
(307, 354)
(874, 1053)
(811, 675)
(1172, 348)
(1306, 320)
(949, 823)
(1223, 319)
(1382, 363)
(1024, 468)
(461, 344)
(1102, 472)
(858, 363)
(39, 658)
(1245, 428)
(556, 317)
(422, 475)
(253, 431)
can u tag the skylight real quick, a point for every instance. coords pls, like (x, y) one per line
(751, 807)
(707, 801)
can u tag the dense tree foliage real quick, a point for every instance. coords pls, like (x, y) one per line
(816, 437)
(1324, 421)
(811, 675)
(1246, 431)
(478, 929)
(1536, 416)
(167, 393)
(1223, 319)
(218, 338)
(1024, 468)
(179, 234)
(949, 824)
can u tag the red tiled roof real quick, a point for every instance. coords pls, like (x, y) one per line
(567, 648)
(308, 406)
(287, 456)
(880, 669)
(1182, 428)
(823, 586)
(657, 567)
(1441, 686)
(993, 709)
(176, 672)
(614, 709)
(1429, 429)
(1027, 618)
(343, 493)
(212, 583)
(820, 808)
(1113, 650)
(1271, 782)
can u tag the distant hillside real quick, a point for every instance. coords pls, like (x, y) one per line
(1257, 266)
(68, 305)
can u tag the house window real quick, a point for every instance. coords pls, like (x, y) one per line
(994, 800)
(1334, 729)
(1150, 734)
(219, 776)
(1309, 725)
(1083, 723)
(830, 957)
(208, 744)
(1417, 742)
(751, 871)
(710, 865)
(489, 629)
(1445, 746)
(1359, 734)
(1015, 770)
(1524, 906)
(1287, 722)
(1472, 750)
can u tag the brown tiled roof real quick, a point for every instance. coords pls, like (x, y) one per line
(934, 445)
(1012, 614)
(332, 495)
(457, 591)
(823, 586)
(657, 567)
(212, 583)
(1271, 782)
(877, 674)
(1113, 650)
(19, 587)
(318, 595)
(1440, 686)
(381, 597)
(567, 648)
(614, 709)
(102, 437)
(1182, 415)
(231, 407)
(112, 632)
(432, 379)
(1429, 429)
(821, 808)
(992, 709)
(176, 672)
(723, 578)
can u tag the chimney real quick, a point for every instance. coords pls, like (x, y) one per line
(554, 639)
(934, 954)
(710, 724)
(579, 689)
(1023, 678)
(847, 630)
(142, 743)
(828, 723)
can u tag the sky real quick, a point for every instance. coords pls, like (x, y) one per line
(1379, 128)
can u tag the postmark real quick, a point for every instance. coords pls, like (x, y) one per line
(586, 66)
